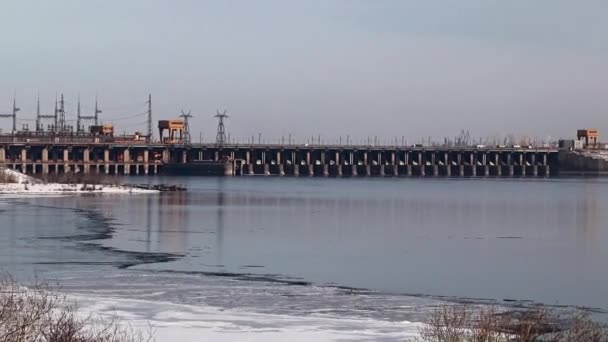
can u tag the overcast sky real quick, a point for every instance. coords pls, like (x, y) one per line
(364, 68)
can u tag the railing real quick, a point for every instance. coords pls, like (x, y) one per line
(38, 139)
(34, 139)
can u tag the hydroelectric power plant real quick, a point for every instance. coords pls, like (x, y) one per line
(96, 149)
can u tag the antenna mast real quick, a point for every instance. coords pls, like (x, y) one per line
(220, 139)
(186, 116)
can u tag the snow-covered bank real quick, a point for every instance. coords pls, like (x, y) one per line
(187, 323)
(25, 184)
(54, 188)
(19, 177)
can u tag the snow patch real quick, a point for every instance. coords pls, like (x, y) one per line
(21, 178)
(30, 185)
(54, 188)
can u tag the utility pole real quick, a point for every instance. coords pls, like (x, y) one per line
(186, 116)
(149, 102)
(220, 138)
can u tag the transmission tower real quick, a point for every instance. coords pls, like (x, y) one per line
(59, 117)
(463, 139)
(56, 117)
(78, 117)
(40, 116)
(220, 139)
(13, 115)
(186, 116)
(149, 102)
(94, 117)
(62, 125)
(38, 122)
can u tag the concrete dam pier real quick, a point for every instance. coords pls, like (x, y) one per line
(280, 160)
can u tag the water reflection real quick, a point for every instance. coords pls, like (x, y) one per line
(173, 221)
(586, 221)
(220, 220)
(443, 238)
(148, 211)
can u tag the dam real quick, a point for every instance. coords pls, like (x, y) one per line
(73, 154)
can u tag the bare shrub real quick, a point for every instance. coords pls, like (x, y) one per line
(460, 323)
(583, 329)
(40, 314)
(530, 325)
(447, 324)
(486, 325)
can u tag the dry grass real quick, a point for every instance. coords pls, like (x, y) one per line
(40, 314)
(461, 323)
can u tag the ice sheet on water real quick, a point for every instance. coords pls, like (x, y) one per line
(194, 306)
(237, 292)
(182, 322)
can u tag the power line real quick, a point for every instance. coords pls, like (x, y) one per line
(131, 116)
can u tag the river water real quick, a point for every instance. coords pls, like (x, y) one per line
(345, 251)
